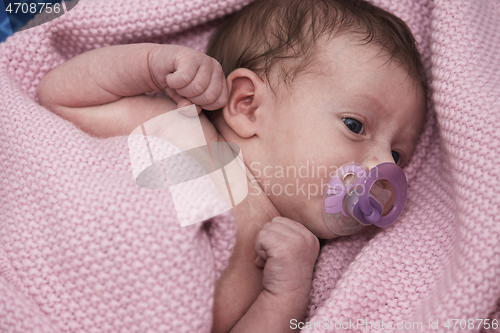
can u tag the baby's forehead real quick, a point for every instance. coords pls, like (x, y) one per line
(348, 51)
(344, 61)
(338, 61)
(351, 50)
(357, 69)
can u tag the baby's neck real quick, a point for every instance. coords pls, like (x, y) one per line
(256, 209)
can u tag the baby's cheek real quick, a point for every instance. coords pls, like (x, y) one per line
(311, 216)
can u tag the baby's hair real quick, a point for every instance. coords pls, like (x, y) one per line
(286, 32)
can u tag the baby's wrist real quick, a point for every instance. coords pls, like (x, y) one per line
(298, 285)
(297, 297)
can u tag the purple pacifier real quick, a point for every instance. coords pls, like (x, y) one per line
(355, 199)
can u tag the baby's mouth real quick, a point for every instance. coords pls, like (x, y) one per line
(383, 191)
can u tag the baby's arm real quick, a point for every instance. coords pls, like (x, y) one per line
(287, 251)
(102, 91)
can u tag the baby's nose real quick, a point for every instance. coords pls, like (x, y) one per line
(376, 159)
(382, 189)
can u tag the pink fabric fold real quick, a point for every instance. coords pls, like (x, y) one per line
(83, 249)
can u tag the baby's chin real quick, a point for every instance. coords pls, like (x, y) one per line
(313, 220)
(325, 233)
(307, 212)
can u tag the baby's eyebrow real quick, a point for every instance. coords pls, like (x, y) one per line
(371, 106)
(374, 102)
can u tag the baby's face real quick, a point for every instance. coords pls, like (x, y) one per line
(359, 107)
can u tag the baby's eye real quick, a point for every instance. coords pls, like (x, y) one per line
(395, 156)
(353, 125)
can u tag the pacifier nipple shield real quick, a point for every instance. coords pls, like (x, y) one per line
(356, 198)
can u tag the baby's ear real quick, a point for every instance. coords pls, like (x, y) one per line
(242, 112)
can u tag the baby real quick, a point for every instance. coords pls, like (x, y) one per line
(294, 83)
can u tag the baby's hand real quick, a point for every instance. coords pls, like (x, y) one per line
(287, 250)
(188, 76)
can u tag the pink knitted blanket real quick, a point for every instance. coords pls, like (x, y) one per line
(83, 249)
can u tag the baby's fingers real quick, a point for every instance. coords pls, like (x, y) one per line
(208, 88)
(215, 96)
(261, 249)
(199, 82)
(182, 102)
(218, 89)
(260, 262)
(185, 71)
(267, 241)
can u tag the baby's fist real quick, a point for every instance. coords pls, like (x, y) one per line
(189, 76)
(287, 250)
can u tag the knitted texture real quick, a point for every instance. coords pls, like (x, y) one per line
(83, 249)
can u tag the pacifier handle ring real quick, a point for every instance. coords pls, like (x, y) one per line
(369, 214)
